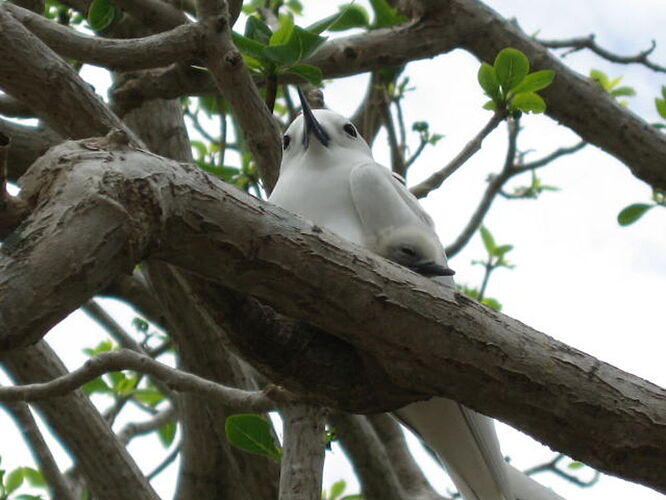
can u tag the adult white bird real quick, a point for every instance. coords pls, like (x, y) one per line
(328, 175)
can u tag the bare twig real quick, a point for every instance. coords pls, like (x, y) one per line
(134, 429)
(97, 313)
(40, 450)
(165, 463)
(397, 155)
(589, 42)
(435, 180)
(304, 449)
(497, 182)
(552, 466)
(124, 359)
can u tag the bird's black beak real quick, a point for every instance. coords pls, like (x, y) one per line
(310, 124)
(430, 269)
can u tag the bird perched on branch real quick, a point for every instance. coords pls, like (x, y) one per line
(328, 175)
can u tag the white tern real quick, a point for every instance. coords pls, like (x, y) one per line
(328, 175)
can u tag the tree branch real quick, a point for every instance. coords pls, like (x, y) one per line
(589, 42)
(422, 189)
(27, 66)
(134, 429)
(40, 451)
(304, 448)
(465, 351)
(124, 359)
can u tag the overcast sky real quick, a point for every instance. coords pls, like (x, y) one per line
(579, 277)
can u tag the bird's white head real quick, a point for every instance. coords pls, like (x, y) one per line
(320, 134)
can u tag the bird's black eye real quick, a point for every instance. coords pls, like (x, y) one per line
(350, 129)
(408, 251)
(285, 141)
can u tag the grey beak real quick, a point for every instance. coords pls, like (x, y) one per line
(310, 124)
(430, 269)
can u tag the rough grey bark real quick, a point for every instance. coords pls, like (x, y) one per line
(426, 338)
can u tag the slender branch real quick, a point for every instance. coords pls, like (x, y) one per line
(165, 463)
(40, 450)
(589, 42)
(552, 466)
(134, 429)
(124, 359)
(542, 162)
(124, 339)
(416, 154)
(435, 180)
(397, 156)
(302, 465)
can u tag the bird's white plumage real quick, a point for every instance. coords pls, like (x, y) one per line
(340, 187)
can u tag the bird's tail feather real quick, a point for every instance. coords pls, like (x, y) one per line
(466, 443)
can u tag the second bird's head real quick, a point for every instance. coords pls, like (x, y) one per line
(321, 132)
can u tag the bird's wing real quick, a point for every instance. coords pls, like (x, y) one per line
(526, 488)
(381, 202)
(465, 442)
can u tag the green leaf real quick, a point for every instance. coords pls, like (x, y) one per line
(632, 213)
(300, 45)
(528, 102)
(101, 14)
(623, 91)
(34, 477)
(502, 250)
(488, 80)
(352, 497)
(166, 433)
(14, 480)
(385, 15)
(350, 16)
(104, 346)
(96, 385)
(601, 77)
(663, 91)
(310, 73)
(151, 397)
(535, 81)
(492, 303)
(257, 30)
(337, 489)
(511, 66)
(661, 107)
(576, 465)
(282, 35)
(252, 433)
(491, 105)
(249, 47)
(488, 240)
(140, 324)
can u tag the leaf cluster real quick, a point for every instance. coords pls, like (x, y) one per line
(611, 85)
(12, 481)
(630, 214)
(511, 86)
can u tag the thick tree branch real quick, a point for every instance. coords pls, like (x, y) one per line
(233, 79)
(375, 472)
(182, 43)
(27, 67)
(40, 451)
(304, 448)
(456, 348)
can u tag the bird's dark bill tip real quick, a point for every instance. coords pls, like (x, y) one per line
(431, 269)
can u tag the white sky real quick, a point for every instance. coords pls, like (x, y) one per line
(579, 277)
